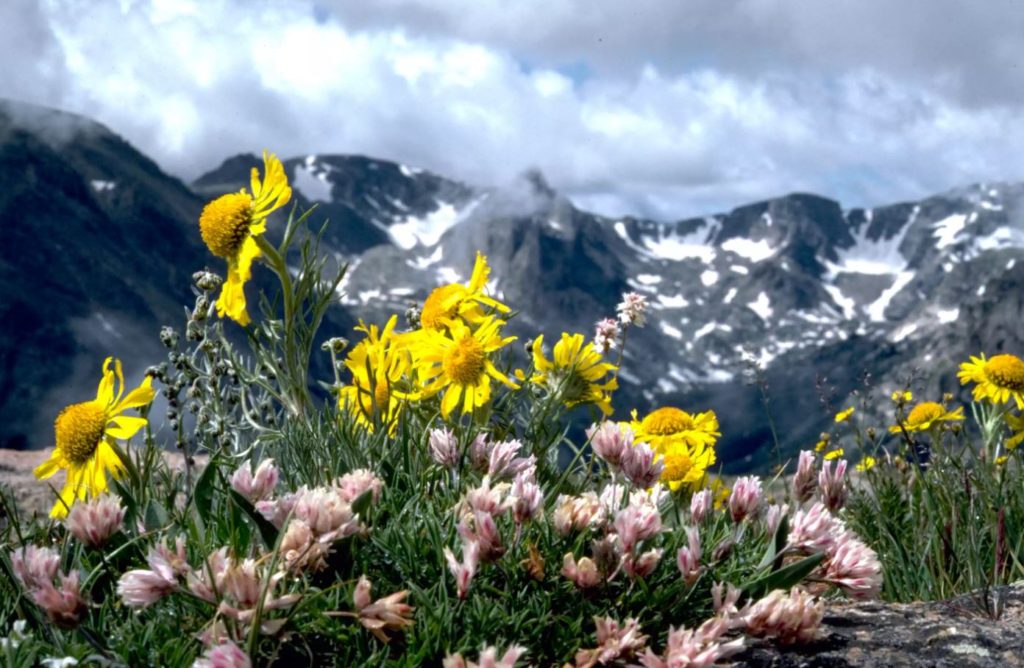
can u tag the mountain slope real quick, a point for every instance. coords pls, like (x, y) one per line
(83, 212)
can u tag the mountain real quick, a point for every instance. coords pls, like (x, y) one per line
(98, 249)
(787, 309)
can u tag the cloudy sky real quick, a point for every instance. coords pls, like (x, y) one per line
(663, 108)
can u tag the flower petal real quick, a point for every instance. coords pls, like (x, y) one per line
(140, 396)
(125, 426)
(50, 466)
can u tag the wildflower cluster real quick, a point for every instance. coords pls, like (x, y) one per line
(434, 507)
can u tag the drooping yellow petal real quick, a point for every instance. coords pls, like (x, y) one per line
(67, 497)
(105, 391)
(232, 296)
(125, 426)
(450, 401)
(49, 467)
(140, 396)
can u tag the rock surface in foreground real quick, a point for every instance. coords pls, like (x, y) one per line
(944, 634)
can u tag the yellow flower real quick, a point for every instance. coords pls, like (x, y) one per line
(457, 362)
(998, 379)
(461, 301)
(843, 416)
(866, 464)
(821, 444)
(575, 372)
(230, 224)
(377, 364)
(1016, 425)
(666, 426)
(835, 454)
(84, 433)
(684, 465)
(926, 414)
(1002, 459)
(902, 396)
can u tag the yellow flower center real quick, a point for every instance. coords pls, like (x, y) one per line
(464, 363)
(926, 411)
(79, 428)
(677, 465)
(666, 421)
(382, 395)
(225, 222)
(434, 309)
(1006, 371)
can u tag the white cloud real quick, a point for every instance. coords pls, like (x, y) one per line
(630, 112)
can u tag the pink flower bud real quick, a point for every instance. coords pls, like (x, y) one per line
(789, 618)
(609, 440)
(225, 655)
(465, 571)
(255, 487)
(354, 484)
(583, 573)
(34, 566)
(688, 558)
(637, 523)
(64, 605)
(700, 505)
(632, 309)
(606, 336)
(96, 520)
(642, 566)
(745, 498)
(640, 465)
(444, 448)
(805, 481)
(854, 567)
(833, 486)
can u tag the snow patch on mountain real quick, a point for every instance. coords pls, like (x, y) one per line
(872, 256)
(412, 231)
(755, 251)
(312, 181)
(947, 229)
(876, 310)
(762, 306)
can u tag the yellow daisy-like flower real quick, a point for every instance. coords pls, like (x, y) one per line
(666, 426)
(84, 433)
(927, 414)
(998, 379)
(457, 362)
(866, 464)
(835, 454)
(378, 364)
(230, 224)
(822, 443)
(461, 301)
(685, 466)
(843, 416)
(575, 372)
(902, 396)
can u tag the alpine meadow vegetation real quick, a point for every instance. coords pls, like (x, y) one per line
(430, 503)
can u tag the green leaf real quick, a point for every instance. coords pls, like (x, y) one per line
(783, 578)
(777, 545)
(268, 532)
(156, 516)
(362, 503)
(203, 496)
